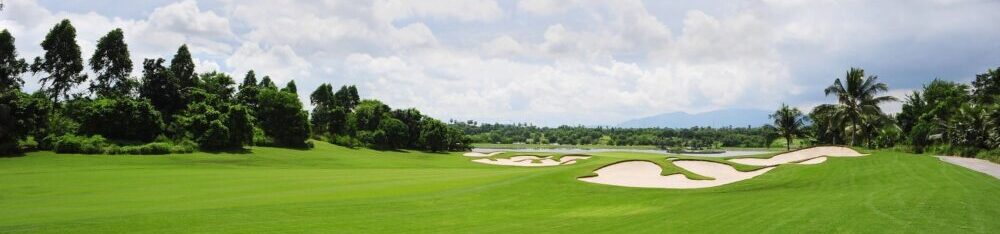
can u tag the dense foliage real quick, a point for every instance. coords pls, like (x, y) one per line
(696, 137)
(343, 118)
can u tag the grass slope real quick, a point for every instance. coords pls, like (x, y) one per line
(343, 190)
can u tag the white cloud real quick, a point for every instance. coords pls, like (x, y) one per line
(543, 61)
(279, 62)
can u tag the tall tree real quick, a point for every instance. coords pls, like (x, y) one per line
(247, 95)
(61, 62)
(789, 121)
(218, 84)
(113, 66)
(858, 96)
(182, 66)
(290, 87)
(986, 87)
(828, 123)
(11, 67)
(161, 88)
(266, 83)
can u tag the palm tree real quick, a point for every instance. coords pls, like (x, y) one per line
(859, 98)
(789, 121)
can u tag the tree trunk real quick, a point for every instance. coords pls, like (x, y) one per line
(788, 143)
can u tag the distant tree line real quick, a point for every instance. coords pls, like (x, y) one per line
(695, 137)
(170, 108)
(342, 118)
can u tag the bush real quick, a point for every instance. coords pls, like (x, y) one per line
(991, 155)
(119, 119)
(73, 144)
(346, 141)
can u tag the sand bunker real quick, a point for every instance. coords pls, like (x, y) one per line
(480, 155)
(813, 161)
(644, 174)
(531, 161)
(800, 155)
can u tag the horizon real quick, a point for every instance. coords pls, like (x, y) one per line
(549, 63)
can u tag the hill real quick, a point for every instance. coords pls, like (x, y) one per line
(719, 118)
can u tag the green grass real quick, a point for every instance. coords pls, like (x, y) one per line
(549, 146)
(334, 189)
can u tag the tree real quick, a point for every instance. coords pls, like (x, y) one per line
(347, 97)
(411, 117)
(182, 66)
(161, 88)
(789, 122)
(859, 97)
(240, 125)
(828, 123)
(218, 84)
(266, 83)
(20, 115)
(281, 117)
(913, 107)
(986, 87)
(433, 135)
(290, 87)
(61, 62)
(11, 67)
(247, 95)
(394, 133)
(369, 113)
(121, 118)
(113, 66)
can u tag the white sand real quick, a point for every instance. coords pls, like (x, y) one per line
(480, 155)
(645, 174)
(571, 159)
(813, 161)
(799, 155)
(530, 161)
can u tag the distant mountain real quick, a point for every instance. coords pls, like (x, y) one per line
(715, 119)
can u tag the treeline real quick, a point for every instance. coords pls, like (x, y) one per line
(170, 108)
(344, 119)
(945, 118)
(695, 137)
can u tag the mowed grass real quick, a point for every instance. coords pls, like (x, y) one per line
(334, 189)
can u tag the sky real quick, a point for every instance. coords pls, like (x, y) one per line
(547, 62)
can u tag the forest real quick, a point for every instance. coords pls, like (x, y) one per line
(170, 108)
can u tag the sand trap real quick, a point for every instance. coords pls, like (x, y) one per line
(644, 174)
(531, 161)
(800, 155)
(813, 161)
(480, 155)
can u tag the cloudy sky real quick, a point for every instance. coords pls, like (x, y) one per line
(548, 62)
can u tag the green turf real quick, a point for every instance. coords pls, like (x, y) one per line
(337, 190)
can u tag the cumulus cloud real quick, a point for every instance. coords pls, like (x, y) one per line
(556, 61)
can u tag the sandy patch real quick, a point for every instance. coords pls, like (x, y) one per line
(480, 155)
(813, 161)
(800, 155)
(644, 174)
(531, 161)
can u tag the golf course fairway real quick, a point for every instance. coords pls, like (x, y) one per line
(340, 190)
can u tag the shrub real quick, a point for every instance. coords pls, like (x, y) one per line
(346, 141)
(79, 144)
(991, 155)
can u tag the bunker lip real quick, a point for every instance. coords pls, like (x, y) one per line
(531, 160)
(646, 174)
(802, 155)
(481, 155)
